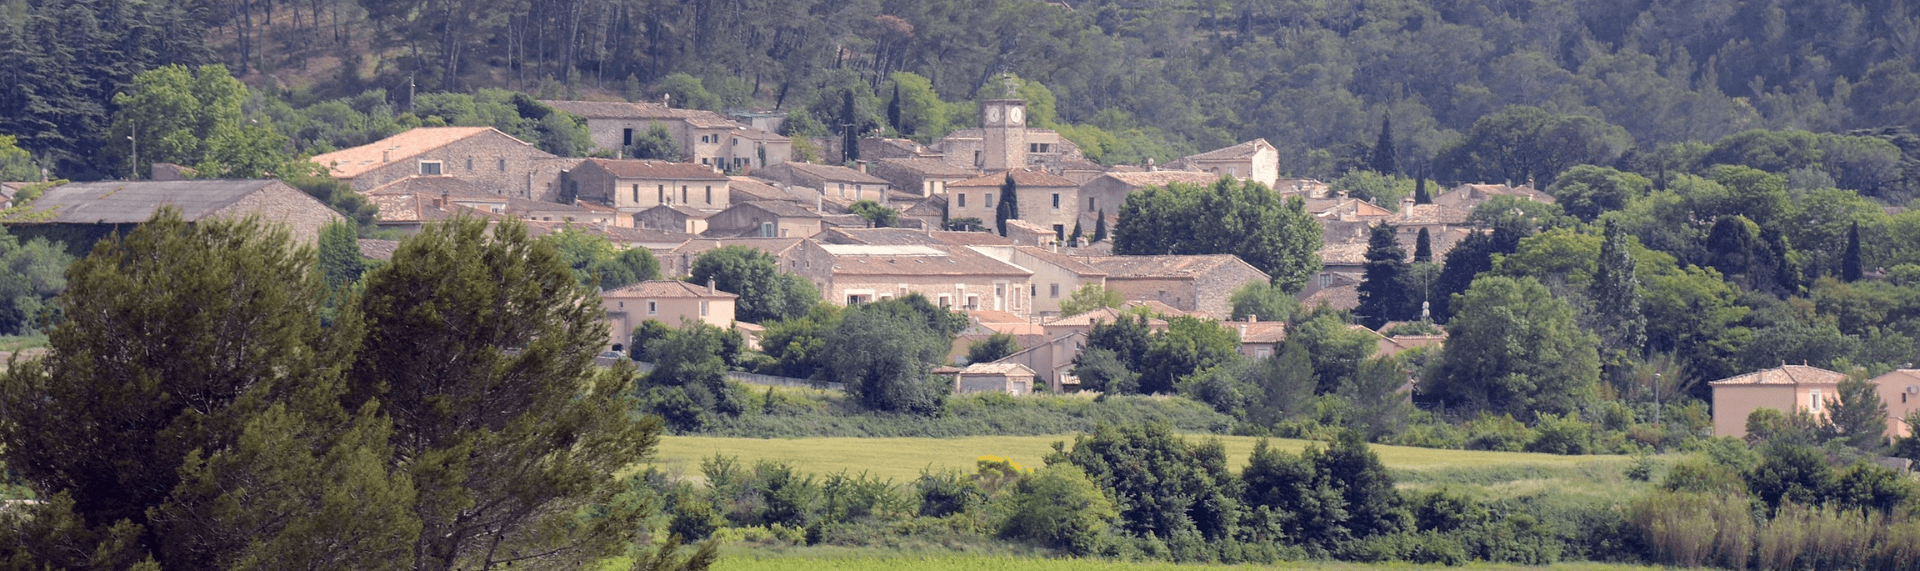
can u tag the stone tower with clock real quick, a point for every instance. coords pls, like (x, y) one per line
(1005, 142)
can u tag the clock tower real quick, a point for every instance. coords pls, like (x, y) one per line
(1005, 142)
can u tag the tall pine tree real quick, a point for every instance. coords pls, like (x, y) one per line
(1009, 206)
(1617, 319)
(1384, 160)
(1383, 290)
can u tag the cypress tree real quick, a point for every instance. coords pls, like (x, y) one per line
(1423, 247)
(850, 128)
(893, 112)
(1420, 195)
(1850, 265)
(1615, 291)
(1009, 207)
(1100, 227)
(1074, 238)
(1383, 160)
(1383, 291)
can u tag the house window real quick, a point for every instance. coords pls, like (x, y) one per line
(1056, 201)
(626, 137)
(683, 194)
(703, 308)
(946, 302)
(766, 229)
(636, 194)
(653, 307)
(1262, 353)
(988, 203)
(503, 165)
(963, 200)
(663, 195)
(1232, 172)
(1091, 203)
(1053, 290)
(705, 162)
(973, 302)
(430, 168)
(1813, 400)
(709, 194)
(469, 164)
(1060, 232)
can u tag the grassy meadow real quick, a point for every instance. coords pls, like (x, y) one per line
(1499, 474)
(863, 560)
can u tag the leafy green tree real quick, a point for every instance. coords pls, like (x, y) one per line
(1059, 507)
(1090, 297)
(884, 352)
(1189, 346)
(765, 292)
(877, 215)
(688, 384)
(1383, 189)
(510, 424)
(1374, 391)
(1273, 234)
(1617, 317)
(1336, 349)
(1523, 144)
(656, 143)
(1101, 370)
(921, 114)
(968, 224)
(1513, 348)
(1587, 191)
(688, 92)
(32, 274)
(596, 262)
(1858, 415)
(1264, 301)
(16, 164)
(1128, 337)
(1009, 206)
(1384, 295)
(1470, 258)
(1284, 385)
(1162, 486)
(646, 332)
(992, 349)
(798, 345)
(340, 259)
(172, 113)
(1323, 498)
(187, 413)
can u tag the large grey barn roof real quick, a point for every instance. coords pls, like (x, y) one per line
(128, 202)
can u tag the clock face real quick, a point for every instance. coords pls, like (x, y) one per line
(993, 114)
(1015, 115)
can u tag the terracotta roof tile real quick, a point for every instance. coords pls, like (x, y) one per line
(1078, 266)
(1337, 297)
(1240, 151)
(929, 167)
(870, 260)
(664, 288)
(833, 173)
(1174, 266)
(664, 170)
(1027, 177)
(1784, 375)
(1162, 178)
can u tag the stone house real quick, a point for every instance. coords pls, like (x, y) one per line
(1051, 360)
(828, 180)
(996, 377)
(631, 186)
(1467, 196)
(81, 213)
(1045, 200)
(411, 202)
(678, 261)
(673, 218)
(1005, 142)
(748, 189)
(1198, 284)
(665, 301)
(1107, 192)
(494, 161)
(951, 277)
(769, 219)
(876, 148)
(1787, 388)
(923, 176)
(1259, 339)
(704, 137)
(926, 213)
(1254, 160)
(1055, 275)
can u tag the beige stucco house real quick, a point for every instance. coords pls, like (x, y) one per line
(951, 277)
(1787, 388)
(665, 301)
(1254, 160)
(632, 186)
(1900, 389)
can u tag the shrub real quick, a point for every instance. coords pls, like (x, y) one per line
(1501, 433)
(947, 493)
(1059, 507)
(1561, 434)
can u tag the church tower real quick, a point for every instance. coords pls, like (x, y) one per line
(1006, 134)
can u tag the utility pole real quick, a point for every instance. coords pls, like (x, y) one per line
(133, 165)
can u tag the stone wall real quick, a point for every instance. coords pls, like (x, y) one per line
(279, 203)
(494, 161)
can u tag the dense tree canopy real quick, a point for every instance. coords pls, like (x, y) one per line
(1274, 234)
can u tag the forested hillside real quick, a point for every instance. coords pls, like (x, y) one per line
(1152, 78)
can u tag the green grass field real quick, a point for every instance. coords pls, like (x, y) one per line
(902, 459)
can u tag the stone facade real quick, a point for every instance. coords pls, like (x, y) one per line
(1198, 284)
(495, 161)
(632, 186)
(827, 180)
(666, 301)
(705, 137)
(1045, 200)
(672, 219)
(1107, 192)
(771, 219)
(953, 277)
(1254, 160)
(302, 215)
(1052, 360)
(922, 176)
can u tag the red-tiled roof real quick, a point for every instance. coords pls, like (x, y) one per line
(349, 163)
(664, 170)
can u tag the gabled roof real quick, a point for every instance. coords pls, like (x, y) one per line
(1162, 178)
(880, 236)
(831, 173)
(1104, 314)
(349, 163)
(1785, 375)
(779, 208)
(1167, 266)
(1078, 266)
(998, 368)
(749, 188)
(1260, 331)
(660, 170)
(774, 246)
(971, 238)
(1336, 297)
(686, 211)
(665, 288)
(132, 202)
(1240, 151)
(1024, 177)
(1433, 214)
(928, 167)
(436, 186)
(871, 260)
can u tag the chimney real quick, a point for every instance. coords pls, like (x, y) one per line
(1253, 319)
(709, 286)
(1243, 332)
(446, 198)
(1341, 195)
(385, 156)
(863, 165)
